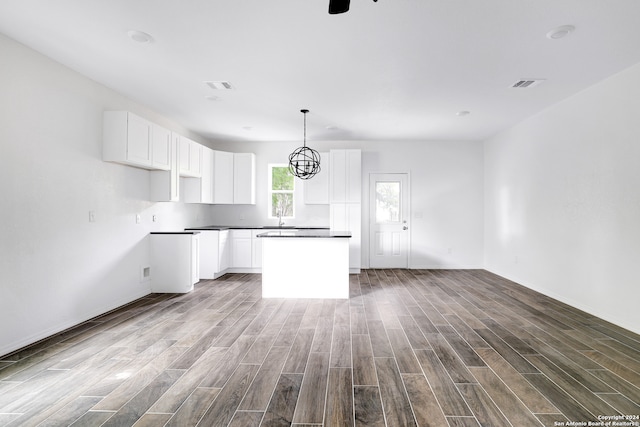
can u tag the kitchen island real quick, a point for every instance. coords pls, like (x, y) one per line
(305, 264)
(234, 248)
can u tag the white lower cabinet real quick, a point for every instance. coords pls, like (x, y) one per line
(347, 217)
(175, 261)
(224, 251)
(229, 251)
(256, 249)
(209, 250)
(247, 251)
(241, 249)
(215, 253)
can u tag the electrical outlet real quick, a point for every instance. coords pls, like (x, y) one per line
(138, 219)
(92, 216)
(145, 274)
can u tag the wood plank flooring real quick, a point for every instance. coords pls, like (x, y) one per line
(409, 348)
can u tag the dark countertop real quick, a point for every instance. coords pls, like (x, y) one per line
(175, 232)
(250, 227)
(322, 233)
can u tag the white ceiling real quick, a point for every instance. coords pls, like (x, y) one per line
(391, 70)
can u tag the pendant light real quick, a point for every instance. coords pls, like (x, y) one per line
(304, 162)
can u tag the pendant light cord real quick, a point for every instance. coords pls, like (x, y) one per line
(304, 140)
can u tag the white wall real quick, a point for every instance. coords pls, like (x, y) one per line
(562, 201)
(56, 268)
(446, 195)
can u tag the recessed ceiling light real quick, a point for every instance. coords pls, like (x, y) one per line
(463, 113)
(560, 32)
(139, 36)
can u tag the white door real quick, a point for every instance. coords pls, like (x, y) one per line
(388, 219)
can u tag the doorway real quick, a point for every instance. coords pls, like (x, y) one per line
(389, 220)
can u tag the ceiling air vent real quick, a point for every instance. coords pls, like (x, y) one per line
(219, 85)
(527, 83)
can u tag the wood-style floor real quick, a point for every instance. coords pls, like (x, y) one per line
(410, 347)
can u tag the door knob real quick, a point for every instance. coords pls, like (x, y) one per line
(405, 227)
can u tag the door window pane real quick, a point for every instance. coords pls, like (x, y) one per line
(387, 202)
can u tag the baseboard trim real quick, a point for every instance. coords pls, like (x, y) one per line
(60, 328)
(569, 301)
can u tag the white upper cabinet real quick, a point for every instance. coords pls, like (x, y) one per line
(127, 139)
(207, 176)
(190, 158)
(164, 184)
(206, 187)
(345, 196)
(316, 189)
(200, 190)
(354, 176)
(161, 148)
(244, 178)
(134, 141)
(345, 176)
(222, 177)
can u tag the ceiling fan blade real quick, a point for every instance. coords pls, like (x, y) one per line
(338, 6)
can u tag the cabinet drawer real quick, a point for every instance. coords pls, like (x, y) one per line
(240, 234)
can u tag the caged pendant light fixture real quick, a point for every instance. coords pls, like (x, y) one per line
(304, 162)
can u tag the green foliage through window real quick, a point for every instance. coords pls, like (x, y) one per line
(281, 178)
(282, 185)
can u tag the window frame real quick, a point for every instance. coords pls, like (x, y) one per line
(271, 191)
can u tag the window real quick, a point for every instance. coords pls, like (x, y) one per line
(281, 187)
(387, 202)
